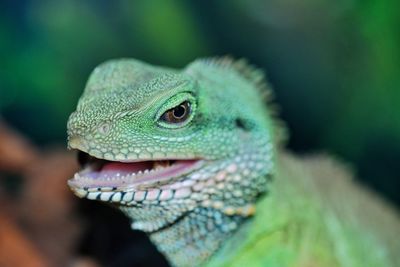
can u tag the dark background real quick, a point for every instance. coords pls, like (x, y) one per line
(334, 67)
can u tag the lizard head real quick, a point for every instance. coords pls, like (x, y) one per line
(162, 143)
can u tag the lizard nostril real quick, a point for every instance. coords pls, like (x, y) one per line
(104, 128)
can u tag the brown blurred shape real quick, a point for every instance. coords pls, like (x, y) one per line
(39, 225)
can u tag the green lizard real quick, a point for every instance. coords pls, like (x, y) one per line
(195, 158)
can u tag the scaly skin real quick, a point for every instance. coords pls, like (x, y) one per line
(229, 134)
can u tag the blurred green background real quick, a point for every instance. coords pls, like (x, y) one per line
(334, 65)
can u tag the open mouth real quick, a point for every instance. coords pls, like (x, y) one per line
(104, 175)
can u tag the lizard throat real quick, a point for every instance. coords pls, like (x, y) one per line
(104, 175)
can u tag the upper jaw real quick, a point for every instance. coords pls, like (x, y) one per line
(104, 175)
(128, 156)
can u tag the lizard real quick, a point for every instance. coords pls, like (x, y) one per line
(196, 158)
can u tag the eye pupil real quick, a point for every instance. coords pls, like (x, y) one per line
(177, 114)
(179, 111)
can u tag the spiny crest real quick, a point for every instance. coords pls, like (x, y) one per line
(257, 78)
(252, 74)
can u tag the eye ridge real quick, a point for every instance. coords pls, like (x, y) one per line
(178, 114)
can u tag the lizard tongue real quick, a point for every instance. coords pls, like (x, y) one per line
(125, 168)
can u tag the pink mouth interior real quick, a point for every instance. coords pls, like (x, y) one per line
(117, 174)
(125, 168)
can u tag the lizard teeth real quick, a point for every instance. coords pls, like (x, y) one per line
(160, 164)
(157, 166)
(119, 176)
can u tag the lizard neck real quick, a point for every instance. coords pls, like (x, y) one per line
(192, 239)
(221, 196)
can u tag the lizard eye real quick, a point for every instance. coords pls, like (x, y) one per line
(178, 114)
